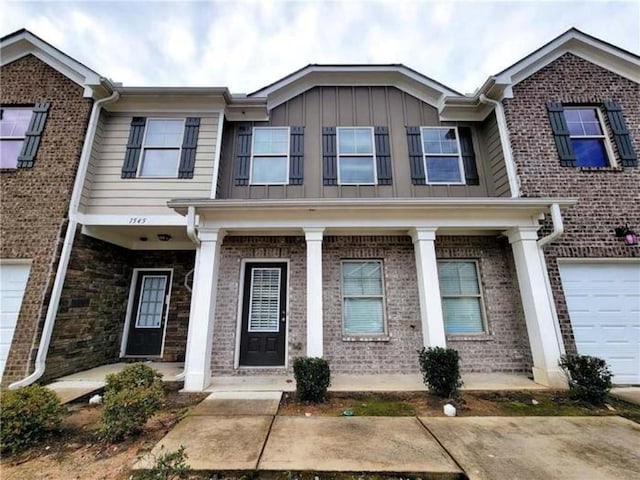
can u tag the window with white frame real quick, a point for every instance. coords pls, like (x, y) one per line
(14, 123)
(587, 136)
(362, 298)
(161, 148)
(441, 149)
(356, 156)
(462, 305)
(270, 156)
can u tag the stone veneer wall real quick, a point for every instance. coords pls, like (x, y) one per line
(504, 348)
(608, 197)
(91, 317)
(34, 201)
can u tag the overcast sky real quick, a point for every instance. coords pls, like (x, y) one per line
(246, 45)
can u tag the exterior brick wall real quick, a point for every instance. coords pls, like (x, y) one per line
(34, 202)
(91, 317)
(504, 348)
(608, 197)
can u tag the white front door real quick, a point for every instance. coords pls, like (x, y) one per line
(13, 280)
(603, 299)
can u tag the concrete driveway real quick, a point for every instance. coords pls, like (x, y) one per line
(222, 435)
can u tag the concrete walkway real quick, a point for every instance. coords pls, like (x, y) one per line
(220, 435)
(628, 394)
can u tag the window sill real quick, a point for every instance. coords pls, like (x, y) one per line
(480, 337)
(601, 169)
(376, 338)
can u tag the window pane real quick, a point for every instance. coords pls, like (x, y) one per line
(354, 140)
(356, 170)
(462, 315)
(269, 170)
(439, 140)
(160, 163)
(151, 302)
(264, 309)
(9, 151)
(362, 278)
(583, 121)
(363, 316)
(443, 169)
(458, 278)
(270, 141)
(15, 122)
(164, 133)
(590, 152)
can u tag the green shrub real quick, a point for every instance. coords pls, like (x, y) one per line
(27, 415)
(168, 466)
(313, 377)
(589, 377)
(440, 369)
(131, 397)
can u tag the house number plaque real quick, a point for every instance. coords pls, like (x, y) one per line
(137, 220)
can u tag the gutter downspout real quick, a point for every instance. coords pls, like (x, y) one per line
(558, 230)
(61, 272)
(514, 184)
(193, 236)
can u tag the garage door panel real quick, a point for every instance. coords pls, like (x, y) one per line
(13, 280)
(603, 299)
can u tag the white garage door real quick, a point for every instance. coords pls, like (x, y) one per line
(604, 306)
(13, 280)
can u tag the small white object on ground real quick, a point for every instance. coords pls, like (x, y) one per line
(307, 414)
(95, 400)
(449, 410)
(534, 401)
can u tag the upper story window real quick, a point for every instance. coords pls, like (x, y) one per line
(14, 123)
(441, 149)
(161, 148)
(462, 306)
(356, 154)
(270, 156)
(587, 136)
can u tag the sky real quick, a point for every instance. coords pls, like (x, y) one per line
(245, 45)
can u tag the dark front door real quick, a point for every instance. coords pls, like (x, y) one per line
(264, 314)
(146, 326)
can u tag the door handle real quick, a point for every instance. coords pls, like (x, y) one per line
(283, 316)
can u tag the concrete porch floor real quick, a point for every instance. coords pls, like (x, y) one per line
(372, 383)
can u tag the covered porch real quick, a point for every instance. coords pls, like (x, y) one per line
(316, 221)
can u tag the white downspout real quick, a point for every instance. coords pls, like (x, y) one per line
(558, 229)
(193, 236)
(63, 263)
(514, 184)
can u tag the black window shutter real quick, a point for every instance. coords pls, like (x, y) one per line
(329, 156)
(628, 157)
(296, 156)
(468, 156)
(243, 154)
(561, 134)
(27, 156)
(134, 146)
(189, 145)
(383, 155)
(416, 158)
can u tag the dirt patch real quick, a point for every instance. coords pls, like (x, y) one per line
(78, 453)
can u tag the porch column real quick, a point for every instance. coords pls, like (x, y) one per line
(424, 245)
(313, 236)
(537, 307)
(197, 364)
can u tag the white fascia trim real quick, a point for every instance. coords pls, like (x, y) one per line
(131, 220)
(25, 43)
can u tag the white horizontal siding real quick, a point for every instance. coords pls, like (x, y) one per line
(107, 193)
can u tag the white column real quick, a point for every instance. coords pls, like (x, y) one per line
(424, 245)
(313, 236)
(197, 364)
(537, 306)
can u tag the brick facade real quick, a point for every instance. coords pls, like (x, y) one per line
(608, 197)
(91, 317)
(34, 201)
(504, 348)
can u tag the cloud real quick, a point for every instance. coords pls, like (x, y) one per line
(246, 45)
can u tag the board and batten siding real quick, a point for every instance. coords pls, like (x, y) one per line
(352, 106)
(495, 156)
(107, 193)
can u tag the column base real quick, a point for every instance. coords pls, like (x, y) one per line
(554, 378)
(196, 382)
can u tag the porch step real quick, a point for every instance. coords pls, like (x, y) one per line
(71, 390)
